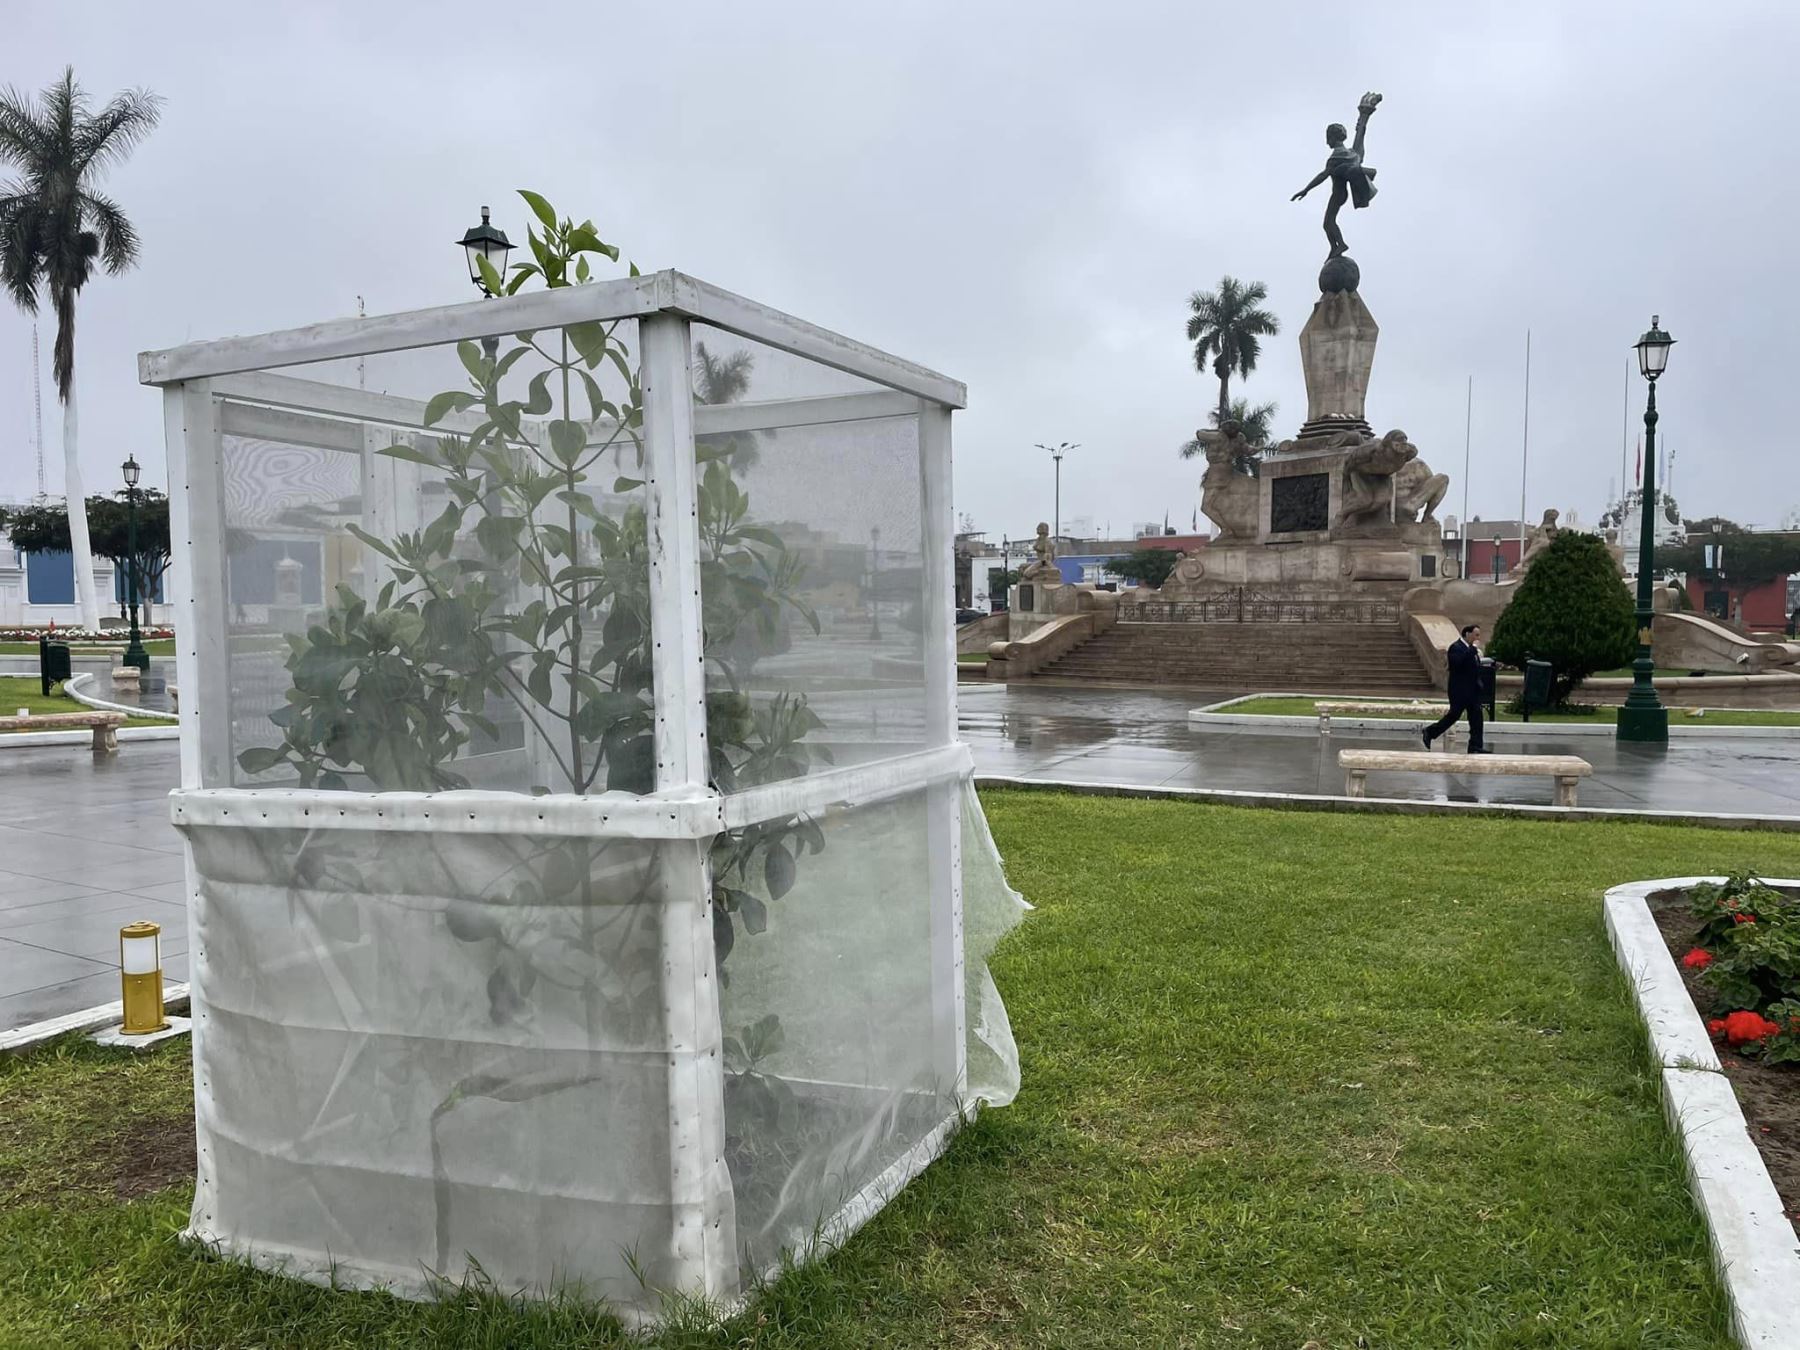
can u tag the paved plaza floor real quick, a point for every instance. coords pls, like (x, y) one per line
(85, 843)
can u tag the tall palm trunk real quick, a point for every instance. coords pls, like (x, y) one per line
(1222, 369)
(82, 551)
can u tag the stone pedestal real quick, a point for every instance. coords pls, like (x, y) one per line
(1337, 354)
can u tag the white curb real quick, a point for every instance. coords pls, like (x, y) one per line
(1754, 1245)
(175, 999)
(74, 687)
(1218, 715)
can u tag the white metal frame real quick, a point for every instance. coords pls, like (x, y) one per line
(225, 387)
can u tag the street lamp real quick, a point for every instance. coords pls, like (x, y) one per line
(484, 241)
(1496, 559)
(135, 655)
(1643, 718)
(1056, 453)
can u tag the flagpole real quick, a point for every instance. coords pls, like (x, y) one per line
(1462, 561)
(1624, 448)
(1525, 445)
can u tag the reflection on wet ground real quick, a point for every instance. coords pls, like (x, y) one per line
(1141, 737)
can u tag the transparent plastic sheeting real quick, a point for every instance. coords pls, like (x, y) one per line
(419, 1052)
(442, 552)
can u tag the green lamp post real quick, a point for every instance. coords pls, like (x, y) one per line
(135, 655)
(1643, 718)
(486, 241)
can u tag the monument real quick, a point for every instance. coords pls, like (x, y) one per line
(1337, 512)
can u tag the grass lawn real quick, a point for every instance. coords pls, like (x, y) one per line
(16, 693)
(1718, 717)
(1290, 1079)
(154, 646)
(971, 658)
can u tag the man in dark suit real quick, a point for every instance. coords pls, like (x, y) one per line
(1464, 657)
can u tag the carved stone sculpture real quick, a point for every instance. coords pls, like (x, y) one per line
(1369, 469)
(1042, 567)
(1539, 538)
(1417, 490)
(1227, 495)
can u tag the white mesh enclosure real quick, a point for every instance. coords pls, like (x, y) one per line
(586, 885)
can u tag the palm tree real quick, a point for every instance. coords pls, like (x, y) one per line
(1255, 423)
(725, 380)
(1224, 326)
(721, 380)
(54, 226)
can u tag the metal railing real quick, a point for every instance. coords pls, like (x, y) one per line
(1244, 604)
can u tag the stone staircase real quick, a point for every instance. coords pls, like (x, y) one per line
(1324, 658)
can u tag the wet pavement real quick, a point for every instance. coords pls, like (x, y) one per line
(1142, 737)
(85, 843)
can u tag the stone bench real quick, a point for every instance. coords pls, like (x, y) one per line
(1567, 770)
(1429, 711)
(105, 724)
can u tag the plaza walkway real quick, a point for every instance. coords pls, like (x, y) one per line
(85, 844)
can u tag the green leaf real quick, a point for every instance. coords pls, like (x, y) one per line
(754, 913)
(452, 400)
(412, 454)
(538, 398)
(627, 484)
(778, 871)
(539, 208)
(473, 360)
(490, 276)
(383, 549)
(262, 758)
(582, 270)
(567, 440)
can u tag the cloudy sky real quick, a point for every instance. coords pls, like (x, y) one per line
(1021, 196)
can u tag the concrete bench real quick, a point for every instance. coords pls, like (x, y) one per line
(1429, 711)
(1567, 770)
(105, 724)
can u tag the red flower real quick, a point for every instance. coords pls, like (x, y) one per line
(1716, 1027)
(1746, 1028)
(1743, 918)
(1698, 959)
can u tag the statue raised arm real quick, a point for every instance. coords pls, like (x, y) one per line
(1351, 179)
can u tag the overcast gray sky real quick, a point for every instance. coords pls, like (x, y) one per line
(1021, 196)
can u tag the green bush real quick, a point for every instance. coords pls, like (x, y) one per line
(1146, 566)
(1572, 611)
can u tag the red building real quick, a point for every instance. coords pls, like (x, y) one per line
(1760, 608)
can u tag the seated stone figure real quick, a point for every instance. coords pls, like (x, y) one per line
(1228, 496)
(1418, 489)
(1386, 482)
(1042, 567)
(1539, 539)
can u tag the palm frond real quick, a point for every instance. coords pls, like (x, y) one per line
(118, 237)
(111, 134)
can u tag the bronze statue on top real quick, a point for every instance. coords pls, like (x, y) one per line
(1351, 179)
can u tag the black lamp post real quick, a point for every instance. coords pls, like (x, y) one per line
(485, 241)
(135, 655)
(1643, 718)
(1056, 453)
(1497, 560)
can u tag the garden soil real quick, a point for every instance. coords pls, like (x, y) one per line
(1769, 1095)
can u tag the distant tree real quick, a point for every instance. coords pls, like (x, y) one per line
(43, 527)
(1752, 557)
(1224, 326)
(726, 379)
(1146, 566)
(1570, 610)
(1257, 424)
(55, 226)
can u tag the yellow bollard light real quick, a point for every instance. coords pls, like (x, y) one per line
(140, 974)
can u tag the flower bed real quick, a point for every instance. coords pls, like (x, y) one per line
(80, 635)
(1738, 946)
